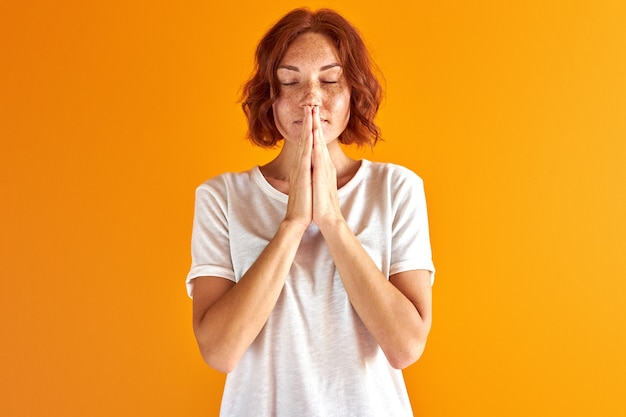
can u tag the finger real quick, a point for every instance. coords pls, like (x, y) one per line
(320, 149)
(307, 125)
(302, 165)
(318, 133)
(318, 142)
(306, 136)
(305, 140)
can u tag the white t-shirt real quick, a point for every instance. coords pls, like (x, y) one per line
(314, 356)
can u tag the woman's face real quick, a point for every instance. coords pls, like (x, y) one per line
(310, 75)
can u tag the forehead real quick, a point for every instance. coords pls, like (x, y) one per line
(313, 48)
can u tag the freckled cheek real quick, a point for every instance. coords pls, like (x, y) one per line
(282, 107)
(339, 102)
(285, 113)
(285, 103)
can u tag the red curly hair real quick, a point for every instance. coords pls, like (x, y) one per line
(262, 89)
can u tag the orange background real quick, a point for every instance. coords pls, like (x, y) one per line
(514, 113)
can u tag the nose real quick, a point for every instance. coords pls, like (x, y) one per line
(311, 95)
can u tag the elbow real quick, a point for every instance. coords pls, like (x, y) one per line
(217, 353)
(223, 366)
(219, 360)
(407, 356)
(409, 348)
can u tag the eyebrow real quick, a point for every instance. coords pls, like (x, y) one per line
(296, 69)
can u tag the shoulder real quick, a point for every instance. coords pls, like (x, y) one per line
(222, 183)
(396, 175)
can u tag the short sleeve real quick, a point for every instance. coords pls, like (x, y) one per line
(210, 246)
(410, 236)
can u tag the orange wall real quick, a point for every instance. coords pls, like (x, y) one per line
(514, 113)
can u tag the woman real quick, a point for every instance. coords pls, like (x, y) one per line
(311, 275)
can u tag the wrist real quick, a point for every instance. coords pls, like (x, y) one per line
(332, 225)
(294, 227)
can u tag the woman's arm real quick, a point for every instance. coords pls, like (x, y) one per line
(397, 312)
(227, 317)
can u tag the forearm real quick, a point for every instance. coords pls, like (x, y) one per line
(230, 325)
(390, 316)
